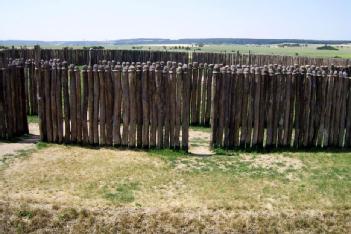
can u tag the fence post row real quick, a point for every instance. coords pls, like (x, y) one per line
(278, 106)
(131, 106)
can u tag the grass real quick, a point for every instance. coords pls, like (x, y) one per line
(33, 119)
(233, 190)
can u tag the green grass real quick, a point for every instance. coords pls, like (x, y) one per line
(121, 193)
(311, 188)
(33, 119)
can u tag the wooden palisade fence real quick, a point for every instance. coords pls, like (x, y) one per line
(13, 114)
(140, 105)
(281, 107)
(87, 56)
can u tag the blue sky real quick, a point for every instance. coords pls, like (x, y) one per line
(117, 19)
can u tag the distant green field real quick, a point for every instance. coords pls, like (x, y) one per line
(344, 51)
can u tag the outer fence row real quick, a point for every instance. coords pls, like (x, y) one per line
(261, 59)
(13, 118)
(86, 56)
(143, 106)
(296, 107)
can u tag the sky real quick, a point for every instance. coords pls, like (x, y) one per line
(66, 20)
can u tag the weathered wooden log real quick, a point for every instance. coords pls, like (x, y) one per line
(244, 128)
(59, 104)
(90, 90)
(198, 93)
(117, 106)
(343, 102)
(79, 103)
(172, 103)
(178, 107)
(145, 107)
(24, 121)
(73, 103)
(139, 108)
(204, 76)
(159, 83)
(84, 106)
(154, 103)
(186, 79)
(109, 106)
(209, 94)
(96, 104)
(53, 105)
(48, 111)
(257, 106)
(66, 101)
(125, 105)
(215, 106)
(39, 73)
(132, 106)
(166, 105)
(102, 99)
(194, 83)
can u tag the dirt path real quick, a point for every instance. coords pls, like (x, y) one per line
(199, 142)
(23, 143)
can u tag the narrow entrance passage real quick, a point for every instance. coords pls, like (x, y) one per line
(199, 141)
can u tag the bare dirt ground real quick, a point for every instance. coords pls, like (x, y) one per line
(22, 143)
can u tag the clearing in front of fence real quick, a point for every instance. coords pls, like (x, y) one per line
(79, 189)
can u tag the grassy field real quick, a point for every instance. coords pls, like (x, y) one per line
(309, 50)
(60, 188)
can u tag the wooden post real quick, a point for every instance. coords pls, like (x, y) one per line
(66, 102)
(90, 80)
(84, 108)
(125, 104)
(215, 107)
(194, 83)
(59, 104)
(145, 106)
(39, 73)
(198, 93)
(73, 103)
(132, 107)
(228, 105)
(154, 102)
(172, 103)
(257, 106)
(204, 94)
(178, 107)
(79, 104)
(117, 106)
(27, 87)
(209, 94)
(185, 107)
(238, 92)
(48, 111)
(102, 117)
(109, 105)
(53, 95)
(139, 108)
(166, 105)
(159, 104)
(2, 105)
(96, 104)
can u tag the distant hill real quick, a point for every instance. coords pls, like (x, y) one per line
(136, 41)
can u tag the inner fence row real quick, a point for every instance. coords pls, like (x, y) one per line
(294, 107)
(135, 106)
